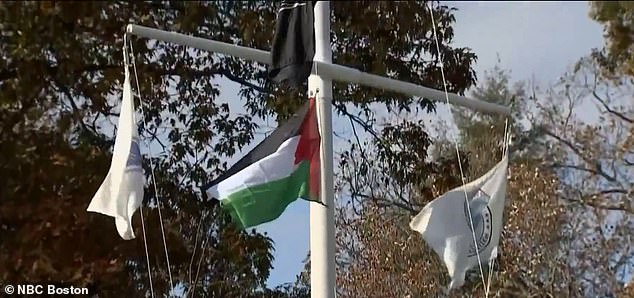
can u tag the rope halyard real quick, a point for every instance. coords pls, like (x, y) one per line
(158, 201)
(126, 63)
(505, 147)
(462, 176)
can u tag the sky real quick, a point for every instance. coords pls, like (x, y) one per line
(535, 40)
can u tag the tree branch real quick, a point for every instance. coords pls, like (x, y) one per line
(565, 142)
(599, 170)
(52, 70)
(341, 108)
(66, 91)
(607, 108)
(385, 202)
(609, 191)
(593, 203)
(580, 168)
(221, 71)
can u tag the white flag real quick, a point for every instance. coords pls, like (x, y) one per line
(121, 193)
(444, 223)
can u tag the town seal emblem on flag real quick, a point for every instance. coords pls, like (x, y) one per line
(481, 215)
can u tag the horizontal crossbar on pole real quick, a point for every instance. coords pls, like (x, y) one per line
(333, 71)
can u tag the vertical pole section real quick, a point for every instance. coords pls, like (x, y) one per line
(322, 218)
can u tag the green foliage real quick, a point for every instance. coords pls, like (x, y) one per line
(378, 37)
(60, 85)
(617, 18)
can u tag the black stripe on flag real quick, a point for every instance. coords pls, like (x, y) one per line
(284, 132)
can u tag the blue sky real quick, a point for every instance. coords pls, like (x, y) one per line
(533, 39)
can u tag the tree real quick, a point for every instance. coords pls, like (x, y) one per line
(380, 255)
(60, 84)
(588, 119)
(376, 255)
(617, 20)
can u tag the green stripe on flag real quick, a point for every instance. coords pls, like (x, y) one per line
(262, 203)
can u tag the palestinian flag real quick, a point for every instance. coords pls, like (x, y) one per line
(278, 171)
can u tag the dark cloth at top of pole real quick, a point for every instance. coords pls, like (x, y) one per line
(293, 46)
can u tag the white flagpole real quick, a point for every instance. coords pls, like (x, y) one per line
(331, 71)
(322, 229)
(322, 218)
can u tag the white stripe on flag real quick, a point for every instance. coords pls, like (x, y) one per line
(276, 166)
